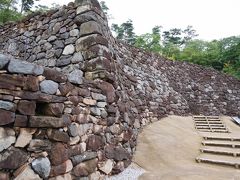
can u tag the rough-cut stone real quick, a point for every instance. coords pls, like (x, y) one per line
(62, 177)
(75, 77)
(69, 49)
(63, 168)
(58, 154)
(77, 57)
(6, 117)
(3, 60)
(6, 105)
(90, 102)
(50, 122)
(83, 157)
(94, 142)
(38, 145)
(98, 97)
(26, 107)
(101, 104)
(54, 75)
(90, 27)
(32, 83)
(116, 153)
(42, 167)
(85, 168)
(95, 111)
(17, 66)
(73, 129)
(107, 166)
(7, 138)
(74, 32)
(57, 135)
(21, 121)
(24, 137)
(13, 159)
(49, 87)
(28, 174)
(108, 89)
(53, 109)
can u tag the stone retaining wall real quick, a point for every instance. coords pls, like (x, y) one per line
(73, 99)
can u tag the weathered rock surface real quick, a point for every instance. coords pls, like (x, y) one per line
(7, 138)
(42, 167)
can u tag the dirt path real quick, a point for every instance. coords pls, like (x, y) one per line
(167, 150)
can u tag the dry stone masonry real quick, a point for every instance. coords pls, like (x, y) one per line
(73, 99)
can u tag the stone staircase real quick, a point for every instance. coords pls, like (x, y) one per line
(220, 148)
(209, 124)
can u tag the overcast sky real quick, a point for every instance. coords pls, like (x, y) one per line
(212, 19)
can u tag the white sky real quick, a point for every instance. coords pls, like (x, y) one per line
(212, 19)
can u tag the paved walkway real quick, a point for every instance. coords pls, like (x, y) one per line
(167, 150)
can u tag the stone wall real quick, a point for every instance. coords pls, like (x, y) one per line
(73, 99)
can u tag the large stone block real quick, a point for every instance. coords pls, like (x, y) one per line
(42, 166)
(26, 107)
(58, 154)
(6, 117)
(90, 27)
(75, 77)
(13, 159)
(18, 66)
(49, 122)
(54, 75)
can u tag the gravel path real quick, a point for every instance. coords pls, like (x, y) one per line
(131, 173)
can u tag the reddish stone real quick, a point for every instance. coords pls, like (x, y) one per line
(75, 100)
(65, 88)
(26, 107)
(32, 83)
(21, 121)
(75, 150)
(6, 117)
(83, 92)
(58, 154)
(53, 109)
(59, 136)
(94, 143)
(61, 169)
(54, 75)
(85, 168)
(107, 89)
(12, 80)
(13, 159)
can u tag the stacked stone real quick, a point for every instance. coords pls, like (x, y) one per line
(172, 87)
(55, 125)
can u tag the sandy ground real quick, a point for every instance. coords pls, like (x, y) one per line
(167, 150)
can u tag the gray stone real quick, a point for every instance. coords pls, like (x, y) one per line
(6, 105)
(95, 111)
(17, 66)
(42, 167)
(98, 97)
(75, 77)
(49, 87)
(58, 44)
(38, 145)
(47, 46)
(73, 130)
(7, 138)
(77, 57)
(69, 49)
(90, 27)
(3, 61)
(84, 128)
(52, 38)
(101, 104)
(83, 157)
(74, 32)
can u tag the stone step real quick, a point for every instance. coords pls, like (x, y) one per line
(232, 137)
(220, 150)
(219, 159)
(222, 143)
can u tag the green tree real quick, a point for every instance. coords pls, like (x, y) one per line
(150, 41)
(125, 32)
(8, 11)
